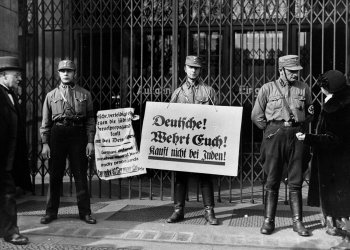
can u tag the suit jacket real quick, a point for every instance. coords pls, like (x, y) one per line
(13, 148)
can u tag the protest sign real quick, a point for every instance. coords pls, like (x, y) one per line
(191, 138)
(116, 151)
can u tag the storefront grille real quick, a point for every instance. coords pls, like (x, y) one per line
(136, 50)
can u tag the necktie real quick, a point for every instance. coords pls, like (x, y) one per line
(193, 94)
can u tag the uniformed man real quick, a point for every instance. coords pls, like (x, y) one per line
(193, 91)
(283, 108)
(68, 129)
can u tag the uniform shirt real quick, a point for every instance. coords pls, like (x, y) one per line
(198, 93)
(269, 105)
(79, 108)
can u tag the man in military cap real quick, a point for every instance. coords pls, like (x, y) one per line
(68, 129)
(193, 91)
(12, 136)
(283, 108)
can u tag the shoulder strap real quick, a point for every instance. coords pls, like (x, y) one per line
(285, 101)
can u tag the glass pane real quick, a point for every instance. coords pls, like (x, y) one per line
(259, 52)
(205, 45)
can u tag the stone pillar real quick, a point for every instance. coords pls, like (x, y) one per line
(9, 27)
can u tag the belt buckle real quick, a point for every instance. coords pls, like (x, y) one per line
(288, 124)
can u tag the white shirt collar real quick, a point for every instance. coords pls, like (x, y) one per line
(4, 85)
(328, 97)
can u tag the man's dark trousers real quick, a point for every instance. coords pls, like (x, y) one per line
(8, 208)
(71, 141)
(206, 185)
(279, 147)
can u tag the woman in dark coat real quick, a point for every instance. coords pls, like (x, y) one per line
(330, 168)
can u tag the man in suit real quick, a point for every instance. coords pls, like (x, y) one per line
(10, 124)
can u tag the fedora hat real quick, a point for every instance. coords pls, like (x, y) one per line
(8, 63)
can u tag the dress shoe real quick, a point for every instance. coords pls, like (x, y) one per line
(177, 216)
(209, 216)
(345, 244)
(268, 226)
(48, 219)
(88, 219)
(16, 239)
(332, 232)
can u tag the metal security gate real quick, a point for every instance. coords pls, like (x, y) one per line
(134, 51)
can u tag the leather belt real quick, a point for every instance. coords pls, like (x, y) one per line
(69, 123)
(285, 124)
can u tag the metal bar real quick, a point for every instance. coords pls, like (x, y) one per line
(322, 53)
(152, 50)
(162, 56)
(253, 87)
(35, 86)
(174, 68)
(347, 58)
(187, 30)
(129, 181)
(231, 73)
(161, 185)
(311, 51)
(241, 96)
(334, 35)
(288, 23)
(162, 85)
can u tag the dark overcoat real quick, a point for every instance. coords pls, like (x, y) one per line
(330, 168)
(13, 148)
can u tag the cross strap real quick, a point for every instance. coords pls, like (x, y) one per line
(285, 102)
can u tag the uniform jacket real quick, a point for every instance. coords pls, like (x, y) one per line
(269, 105)
(330, 168)
(54, 109)
(13, 148)
(203, 94)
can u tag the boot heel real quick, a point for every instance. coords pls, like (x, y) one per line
(296, 205)
(209, 216)
(271, 199)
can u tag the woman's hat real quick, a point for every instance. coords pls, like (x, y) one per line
(9, 63)
(333, 81)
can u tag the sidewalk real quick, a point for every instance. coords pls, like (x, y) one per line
(140, 224)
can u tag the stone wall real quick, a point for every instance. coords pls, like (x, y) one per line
(9, 27)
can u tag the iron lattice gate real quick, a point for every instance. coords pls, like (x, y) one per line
(136, 49)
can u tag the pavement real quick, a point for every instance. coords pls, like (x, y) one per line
(140, 224)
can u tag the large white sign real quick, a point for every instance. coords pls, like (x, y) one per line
(116, 152)
(191, 138)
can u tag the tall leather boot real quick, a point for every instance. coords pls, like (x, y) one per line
(296, 205)
(271, 200)
(208, 201)
(180, 195)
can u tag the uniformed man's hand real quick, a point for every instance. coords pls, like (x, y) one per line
(89, 149)
(45, 153)
(300, 136)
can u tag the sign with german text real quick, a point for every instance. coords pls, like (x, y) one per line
(116, 152)
(191, 138)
